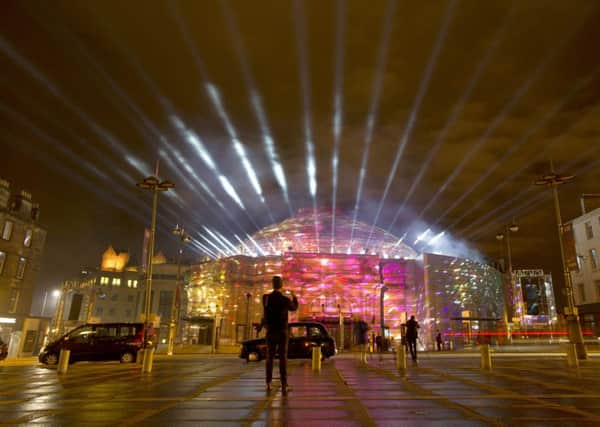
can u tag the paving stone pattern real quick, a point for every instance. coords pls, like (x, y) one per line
(442, 390)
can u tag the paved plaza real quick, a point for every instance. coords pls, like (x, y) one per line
(447, 389)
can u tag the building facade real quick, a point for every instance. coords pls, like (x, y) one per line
(22, 240)
(115, 292)
(341, 278)
(585, 274)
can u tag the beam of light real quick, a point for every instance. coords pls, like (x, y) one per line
(196, 143)
(414, 113)
(456, 112)
(311, 164)
(256, 102)
(540, 156)
(240, 150)
(504, 208)
(38, 76)
(376, 87)
(246, 247)
(422, 236)
(338, 108)
(524, 139)
(400, 240)
(204, 249)
(227, 242)
(512, 102)
(256, 245)
(222, 241)
(435, 238)
(223, 251)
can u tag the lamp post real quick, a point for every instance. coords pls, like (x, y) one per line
(247, 330)
(512, 228)
(553, 180)
(176, 304)
(153, 184)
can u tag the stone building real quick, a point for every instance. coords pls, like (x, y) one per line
(22, 240)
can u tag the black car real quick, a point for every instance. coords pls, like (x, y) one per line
(99, 341)
(303, 337)
(3, 350)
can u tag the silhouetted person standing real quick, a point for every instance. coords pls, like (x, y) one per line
(276, 307)
(411, 336)
(438, 340)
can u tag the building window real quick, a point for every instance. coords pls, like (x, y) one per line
(104, 280)
(134, 284)
(28, 237)
(589, 233)
(2, 261)
(129, 283)
(13, 299)
(581, 289)
(594, 262)
(7, 230)
(597, 283)
(21, 268)
(116, 281)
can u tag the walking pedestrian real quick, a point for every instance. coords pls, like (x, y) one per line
(411, 336)
(276, 306)
(438, 340)
(362, 338)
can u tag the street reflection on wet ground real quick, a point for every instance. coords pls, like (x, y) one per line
(223, 390)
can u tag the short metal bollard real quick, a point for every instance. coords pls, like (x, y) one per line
(316, 358)
(401, 357)
(148, 359)
(572, 360)
(63, 361)
(486, 357)
(140, 356)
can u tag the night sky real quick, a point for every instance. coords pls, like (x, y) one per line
(450, 109)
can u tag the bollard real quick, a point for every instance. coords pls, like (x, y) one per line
(148, 359)
(140, 356)
(63, 361)
(572, 360)
(401, 357)
(316, 358)
(486, 357)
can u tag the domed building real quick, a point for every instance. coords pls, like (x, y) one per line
(342, 271)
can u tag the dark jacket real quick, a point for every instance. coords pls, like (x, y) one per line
(276, 307)
(411, 329)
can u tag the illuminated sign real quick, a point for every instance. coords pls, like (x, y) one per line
(528, 273)
(8, 320)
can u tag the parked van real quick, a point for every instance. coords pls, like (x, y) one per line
(99, 341)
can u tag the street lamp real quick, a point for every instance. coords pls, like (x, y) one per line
(247, 331)
(153, 184)
(176, 304)
(512, 228)
(553, 180)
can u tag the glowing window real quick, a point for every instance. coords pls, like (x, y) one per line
(135, 283)
(21, 268)
(116, 281)
(104, 280)
(2, 260)
(7, 230)
(594, 259)
(27, 239)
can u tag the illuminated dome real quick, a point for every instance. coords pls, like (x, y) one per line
(310, 233)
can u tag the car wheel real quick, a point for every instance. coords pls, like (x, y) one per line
(127, 357)
(51, 359)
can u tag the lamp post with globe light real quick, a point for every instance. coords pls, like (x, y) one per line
(509, 312)
(553, 180)
(153, 184)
